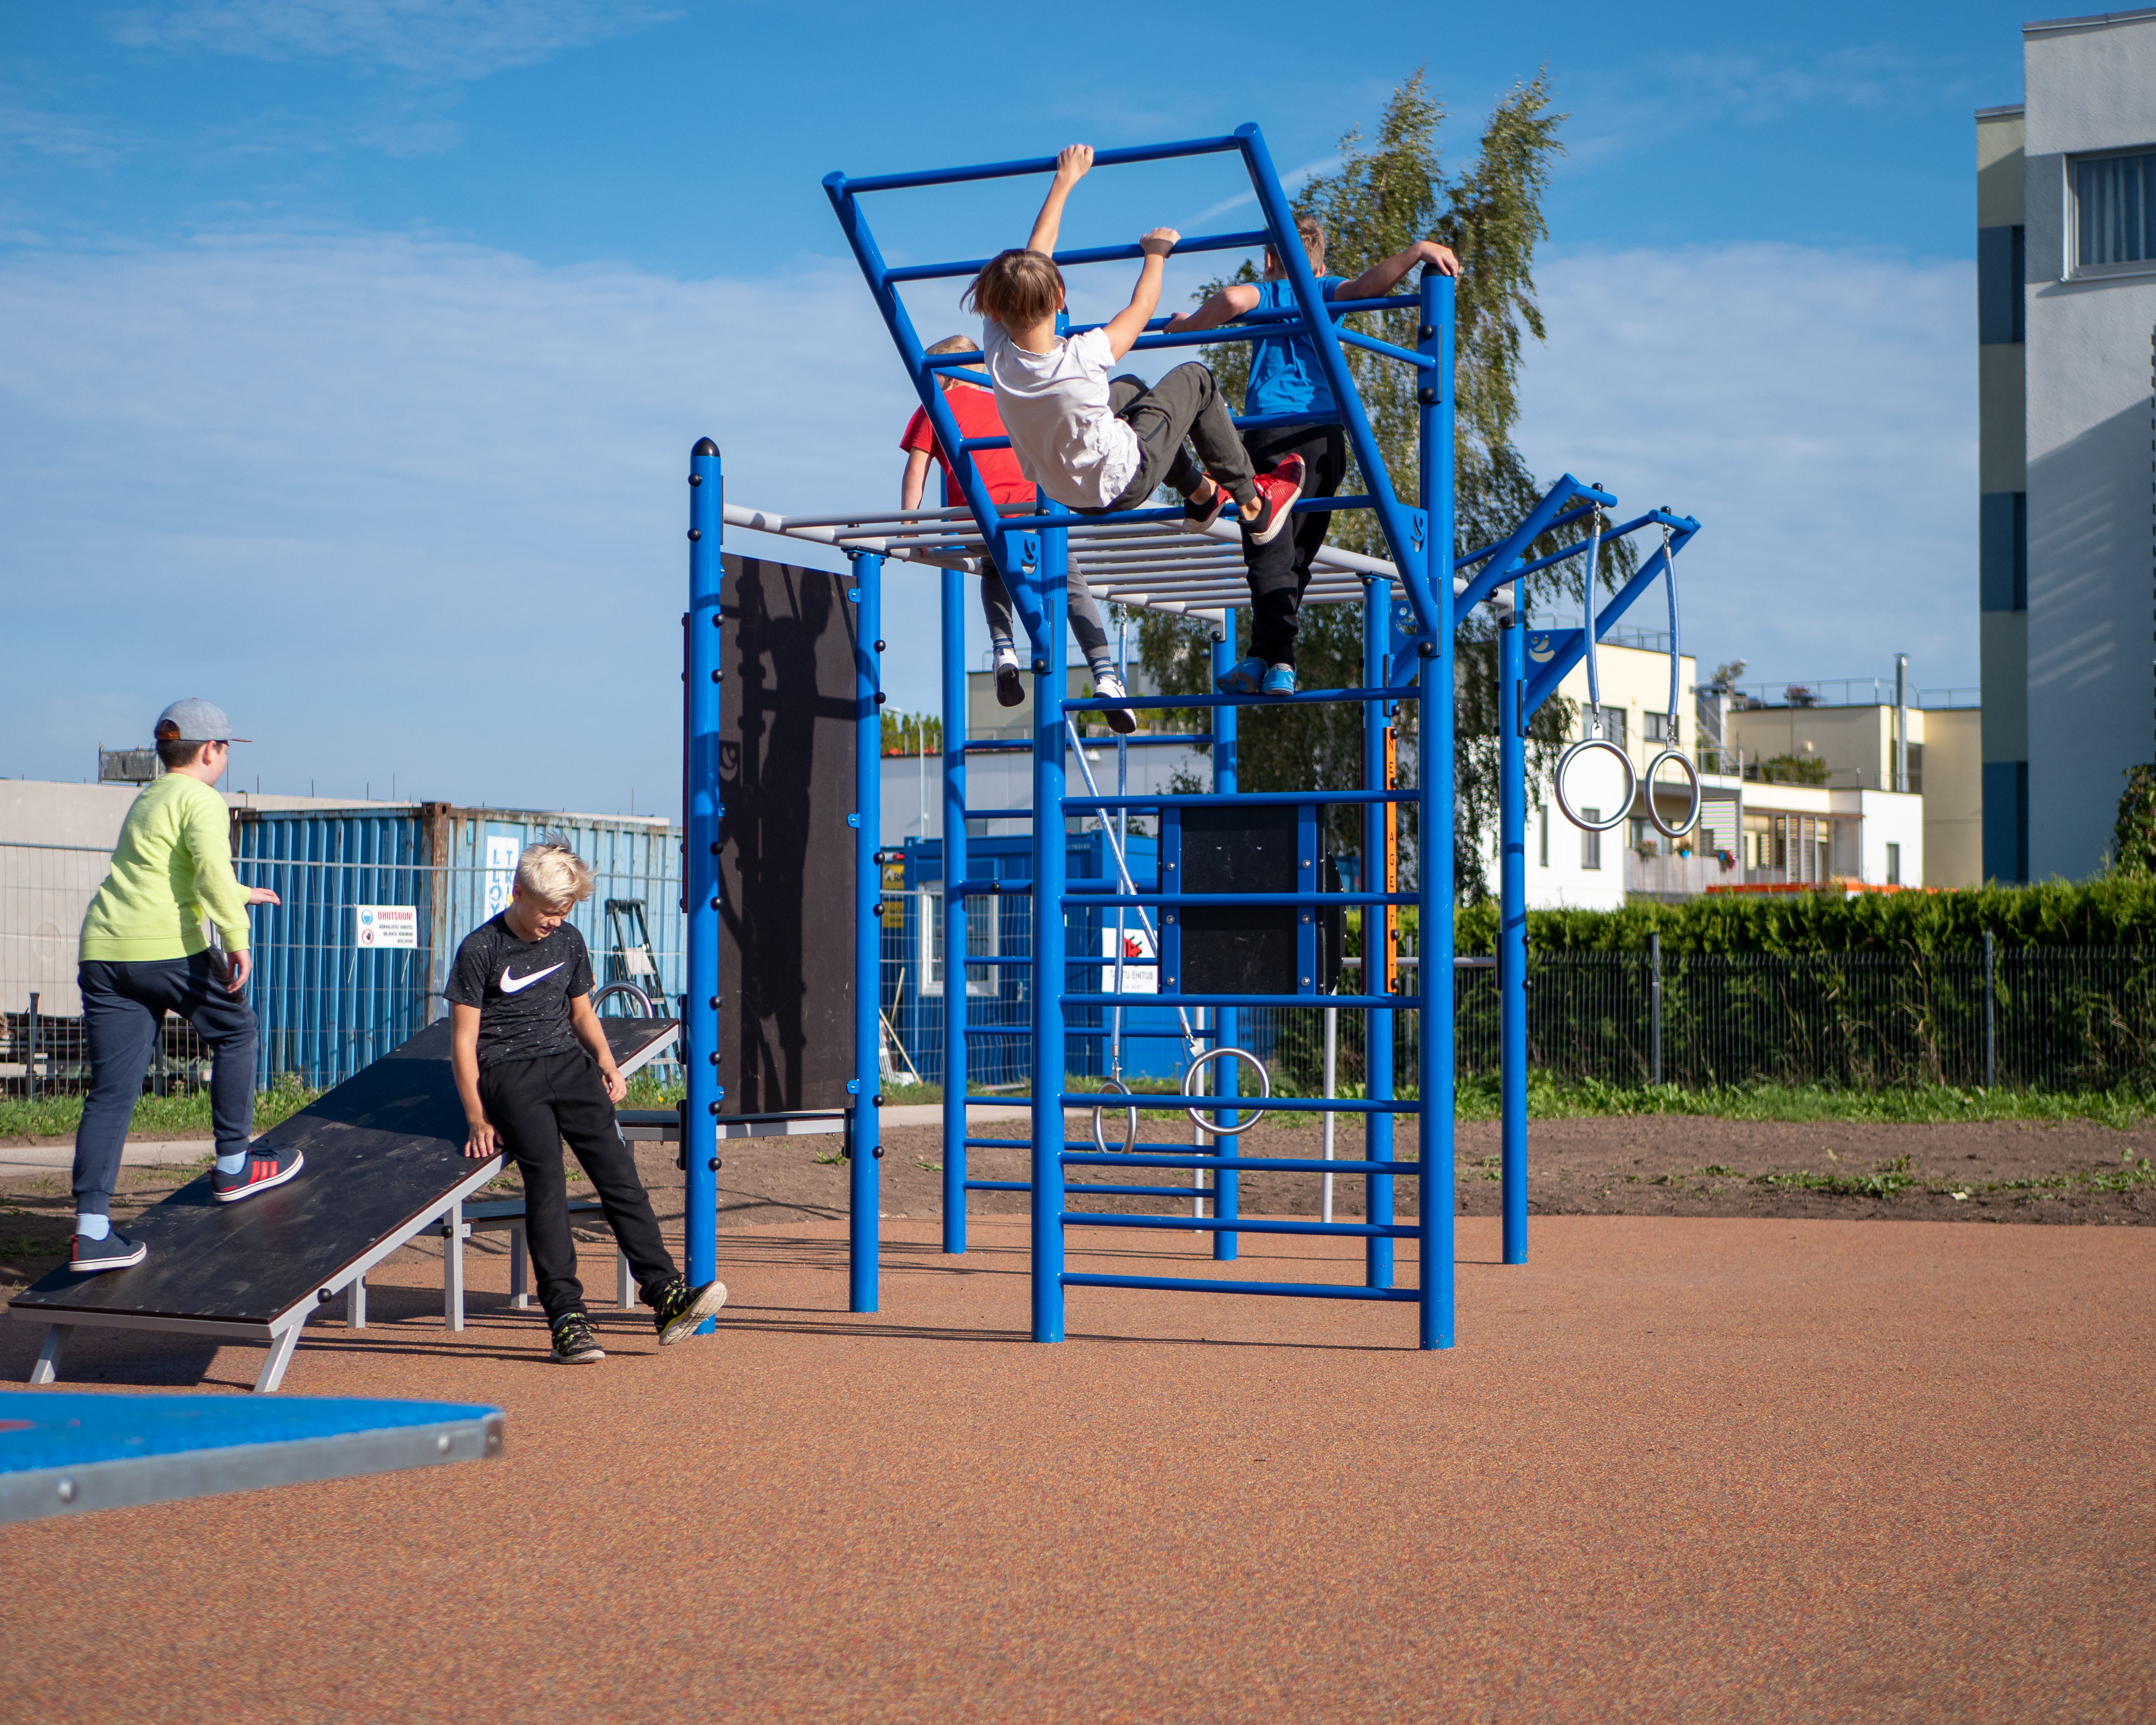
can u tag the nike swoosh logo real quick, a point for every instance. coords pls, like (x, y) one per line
(514, 984)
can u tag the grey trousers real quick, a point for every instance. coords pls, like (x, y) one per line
(1085, 620)
(1186, 403)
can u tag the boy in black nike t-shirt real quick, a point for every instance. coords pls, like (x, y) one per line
(533, 1068)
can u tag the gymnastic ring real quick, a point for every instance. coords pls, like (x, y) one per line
(1131, 1140)
(630, 990)
(1265, 1083)
(1624, 803)
(1647, 785)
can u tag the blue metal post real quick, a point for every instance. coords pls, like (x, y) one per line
(1226, 1075)
(700, 873)
(1377, 1023)
(1512, 923)
(1434, 845)
(952, 934)
(1049, 967)
(865, 1184)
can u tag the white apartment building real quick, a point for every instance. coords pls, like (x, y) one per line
(1752, 829)
(2066, 307)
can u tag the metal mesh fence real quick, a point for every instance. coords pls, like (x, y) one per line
(2044, 1019)
(2058, 1018)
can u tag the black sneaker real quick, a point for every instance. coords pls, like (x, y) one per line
(1010, 685)
(263, 1169)
(115, 1251)
(680, 1308)
(1199, 516)
(574, 1344)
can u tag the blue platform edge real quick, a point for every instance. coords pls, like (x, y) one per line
(42, 1429)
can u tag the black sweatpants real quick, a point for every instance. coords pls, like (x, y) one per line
(535, 1104)
(1279, 570)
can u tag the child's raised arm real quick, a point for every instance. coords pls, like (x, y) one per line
(1381, 278)
(1126, 325)
(1072, 163)
(1225, 306)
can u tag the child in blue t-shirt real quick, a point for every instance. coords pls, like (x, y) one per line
(1286, 378)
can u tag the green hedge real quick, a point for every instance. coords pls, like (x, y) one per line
(2115, 910)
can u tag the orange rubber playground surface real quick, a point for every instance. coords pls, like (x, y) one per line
(1676, 1469)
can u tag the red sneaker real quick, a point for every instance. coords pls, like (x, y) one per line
(1279, 489)
(264, 1168)
(1199, 516)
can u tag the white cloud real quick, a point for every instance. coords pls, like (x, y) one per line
(408, 506)
(452, 39)
(1816, 410)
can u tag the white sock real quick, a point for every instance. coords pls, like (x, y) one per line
(92, 1227)
(1103, 668)
(232, 1164)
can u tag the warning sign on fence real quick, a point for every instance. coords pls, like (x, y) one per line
(388, 926)
(1140, 964)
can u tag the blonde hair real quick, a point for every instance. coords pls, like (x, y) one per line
(1016, 287)
(1312, 234)
(956, 344)
(553, 873)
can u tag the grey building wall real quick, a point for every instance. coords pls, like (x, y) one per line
(2090, 87)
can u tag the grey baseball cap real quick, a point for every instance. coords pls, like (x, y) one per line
(194, 720)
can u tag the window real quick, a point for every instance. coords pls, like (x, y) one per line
(1590, 844)
(980, 940)
(1613, 725)
(2002, 551)
(1639, 831)
(2115, 210)
(1662, 728)
(1893, 865)
(1541, 842)
(2001, 268)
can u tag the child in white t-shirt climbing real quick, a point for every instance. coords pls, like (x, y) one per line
(1097, 444)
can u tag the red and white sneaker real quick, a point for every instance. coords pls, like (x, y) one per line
(1279, 490)
(264, 1169)
(1199, 516)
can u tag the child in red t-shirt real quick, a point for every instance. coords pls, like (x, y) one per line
(974, 408)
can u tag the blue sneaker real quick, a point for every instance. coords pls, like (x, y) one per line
(115, 1251)
(1280, 680)
(1241, 678)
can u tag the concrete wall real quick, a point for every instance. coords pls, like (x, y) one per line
(2090, 86)
(1954, 794)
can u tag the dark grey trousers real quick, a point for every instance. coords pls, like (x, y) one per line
(1187, 403)
(1086, 619)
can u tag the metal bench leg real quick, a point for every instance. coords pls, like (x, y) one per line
(624, 1281)
(453, 1269)
(281, 1356)
(519, 1268)
(47, 1370)
(355, 1304)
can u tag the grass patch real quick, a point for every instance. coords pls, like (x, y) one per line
(1548, 1099)
(182, 1111)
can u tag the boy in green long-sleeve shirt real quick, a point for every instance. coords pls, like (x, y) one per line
(144, 954)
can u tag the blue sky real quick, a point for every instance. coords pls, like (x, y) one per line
(354, 346)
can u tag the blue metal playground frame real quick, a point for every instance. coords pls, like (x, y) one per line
(1409, 655)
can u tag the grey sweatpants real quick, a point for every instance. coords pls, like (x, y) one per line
(1186, 403)
(1085, 620)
